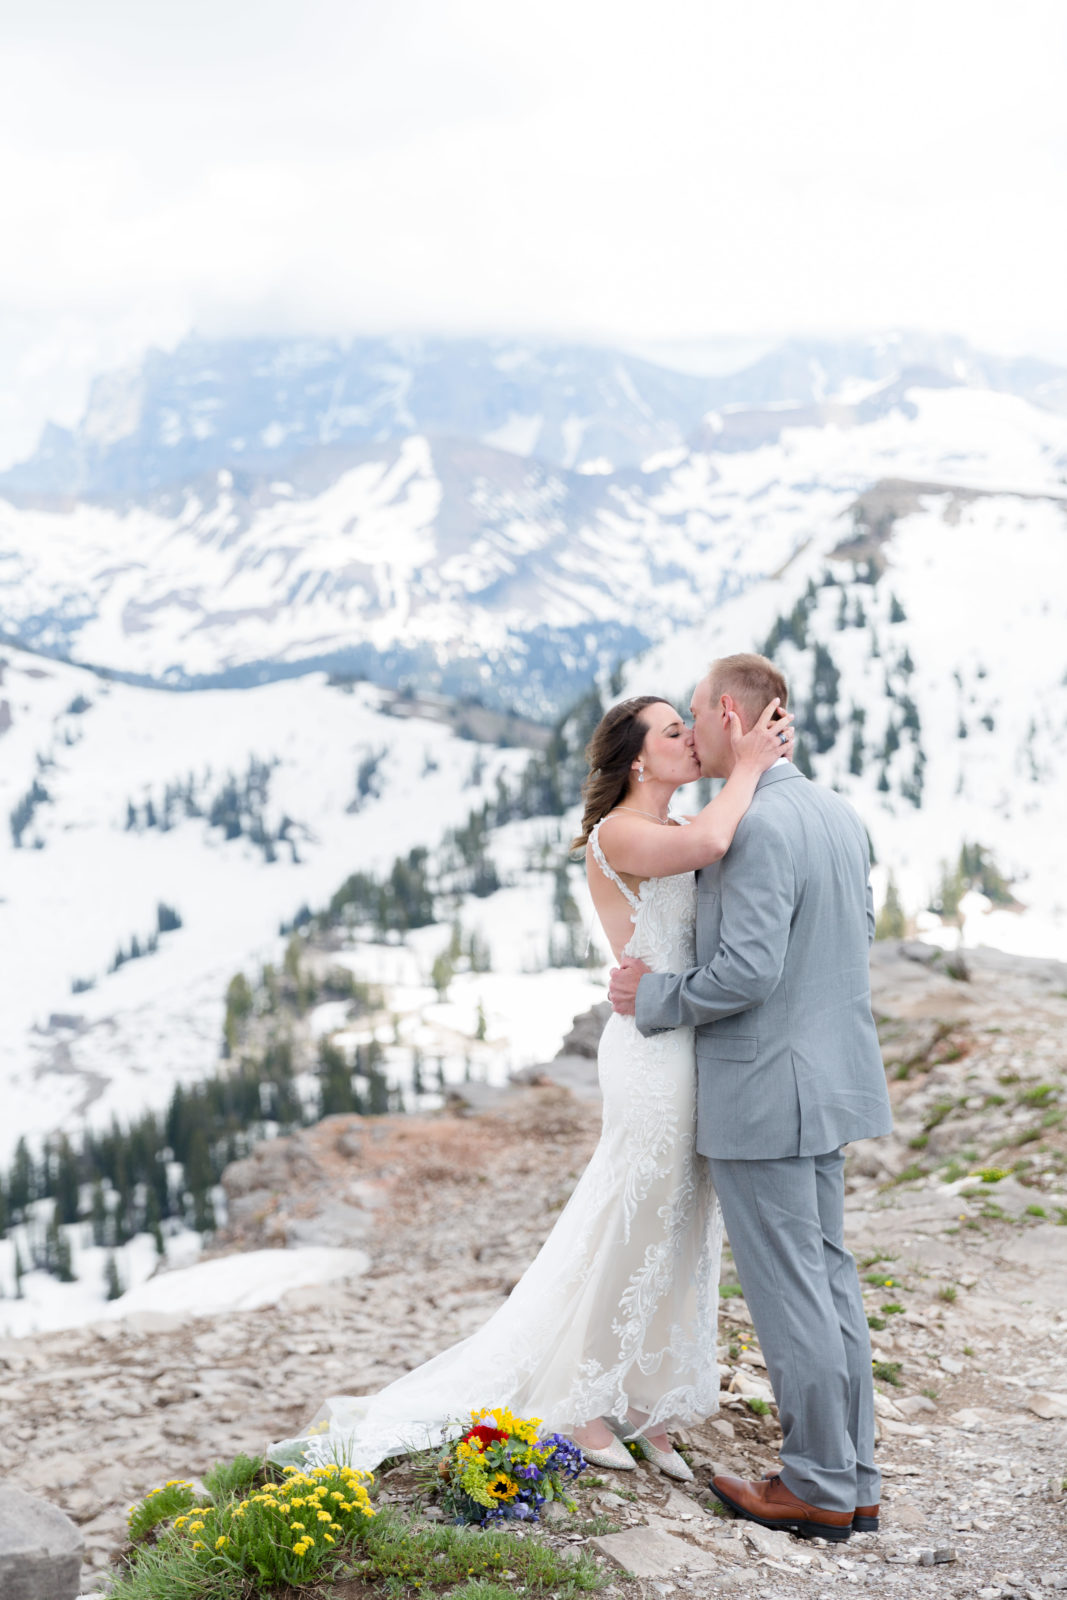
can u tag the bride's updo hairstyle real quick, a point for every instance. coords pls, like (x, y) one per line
(611, 752)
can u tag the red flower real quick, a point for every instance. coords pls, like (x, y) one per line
(485, 1435)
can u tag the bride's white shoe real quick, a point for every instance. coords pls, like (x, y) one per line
(615, 1455)
(668, 1461)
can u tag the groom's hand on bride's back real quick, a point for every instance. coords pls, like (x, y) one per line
(622, 985)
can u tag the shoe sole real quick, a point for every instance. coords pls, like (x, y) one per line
(803, 1530)
(865, 1524)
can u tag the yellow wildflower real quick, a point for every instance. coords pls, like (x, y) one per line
(198, 1546)
(323, 1516)
(196, 1527)
(299, 1525)
(221, 1541)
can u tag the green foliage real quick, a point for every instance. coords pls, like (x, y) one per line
(887, 1372)
(160, 1505)
(398, 1559)
(891, 923)
(760, 1408)
(730, 1291)
(1039, 1095)
(819, 719)
(112, 1279)
(232, 1477)
(285, 1533)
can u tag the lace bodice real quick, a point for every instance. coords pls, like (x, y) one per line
(664, 914)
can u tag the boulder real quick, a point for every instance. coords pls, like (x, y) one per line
(652, 1553)
(40, 1549)
(584, 1037)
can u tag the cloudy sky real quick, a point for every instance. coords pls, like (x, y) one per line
(607, 169)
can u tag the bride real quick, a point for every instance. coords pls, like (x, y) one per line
(616, 1315)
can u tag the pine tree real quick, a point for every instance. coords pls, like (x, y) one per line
(153, 1223)
(802, 757)
(819, 718)
(64, 1268)
(20, 1293)
(98, 1214)
(66, 1185)
(480, 1025)
(335, 1076)
(22, 1187)
(855, 756)
(896, 610)
(891, 923)
(441, 974)
(112, 1281)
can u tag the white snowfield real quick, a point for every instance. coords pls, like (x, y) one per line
(983, 585)
(240, 1282)
(372, 558)
(65, 908)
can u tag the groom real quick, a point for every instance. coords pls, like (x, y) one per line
(789, 1070)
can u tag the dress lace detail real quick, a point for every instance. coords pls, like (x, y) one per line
(618, 1310)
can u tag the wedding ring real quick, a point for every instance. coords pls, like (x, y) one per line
(783, 737)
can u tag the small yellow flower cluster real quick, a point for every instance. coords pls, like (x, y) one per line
(273, 1528)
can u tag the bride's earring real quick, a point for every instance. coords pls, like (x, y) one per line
(640, 774)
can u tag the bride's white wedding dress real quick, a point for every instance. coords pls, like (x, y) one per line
(618, 1311)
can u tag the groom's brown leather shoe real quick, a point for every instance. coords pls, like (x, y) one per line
(769, 1502)
(864, 1518)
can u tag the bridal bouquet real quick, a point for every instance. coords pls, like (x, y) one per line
(502, 1469)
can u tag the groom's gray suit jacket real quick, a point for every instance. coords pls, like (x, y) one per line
(788, 1060)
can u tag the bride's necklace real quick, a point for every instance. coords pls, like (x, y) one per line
(664, 822)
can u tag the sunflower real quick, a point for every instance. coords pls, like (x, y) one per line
(501, 1487)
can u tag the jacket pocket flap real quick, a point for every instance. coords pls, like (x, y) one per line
(727, 1047)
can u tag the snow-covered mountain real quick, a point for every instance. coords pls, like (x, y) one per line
(925, 640)
(934, 695)
(231, 809)
(473, 516)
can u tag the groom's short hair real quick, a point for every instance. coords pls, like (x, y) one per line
(752, 680)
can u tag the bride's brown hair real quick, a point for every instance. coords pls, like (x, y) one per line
(618, 738)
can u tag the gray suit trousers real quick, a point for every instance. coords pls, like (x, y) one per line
(785, 1222)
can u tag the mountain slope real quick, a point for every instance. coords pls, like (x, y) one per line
(472, 569)
(230, 808)
(926, 652)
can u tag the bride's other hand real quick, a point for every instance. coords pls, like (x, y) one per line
(768, 739)
(622, 985)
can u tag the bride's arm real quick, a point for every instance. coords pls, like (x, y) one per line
(644, 849)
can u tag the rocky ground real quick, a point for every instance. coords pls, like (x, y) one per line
(957, 1224)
